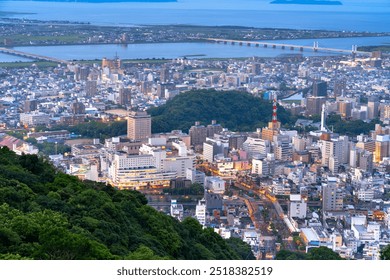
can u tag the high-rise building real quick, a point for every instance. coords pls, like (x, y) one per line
(256, 68)
(337, 149)
(30, 105)
(200, 212)
(164, 75)
(319, 89)
(297, 207)
(382, 146)
(340, 87)
(264, 166)
(236, 141)
(332, 196)
(84, 72)
(162, 87)
(198, 134)
(91, 88)
(213, 128)
(139, 125)
(314, 105)
(257, 147)
(373, 110)
(125, 96)
(78, 108)
(344, 108)
(282, 148)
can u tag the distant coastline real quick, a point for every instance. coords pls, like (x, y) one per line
(307, 2)
(101, 1)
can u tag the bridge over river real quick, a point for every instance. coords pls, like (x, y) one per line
(33, 56)
(315, 47)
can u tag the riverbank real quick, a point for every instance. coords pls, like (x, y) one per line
(21, 32)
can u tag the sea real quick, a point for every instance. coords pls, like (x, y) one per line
(353, 15)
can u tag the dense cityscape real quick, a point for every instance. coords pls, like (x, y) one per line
(272, 187)
(311, 170)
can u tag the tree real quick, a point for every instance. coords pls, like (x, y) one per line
(322, 253)
(385, 253)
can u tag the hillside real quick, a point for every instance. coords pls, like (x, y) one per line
(237, 111)
(45, 214)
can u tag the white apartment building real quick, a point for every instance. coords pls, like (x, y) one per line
(298, 206)
(200, 211)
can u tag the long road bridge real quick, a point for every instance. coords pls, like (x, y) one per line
(315, 47)
(33, 56)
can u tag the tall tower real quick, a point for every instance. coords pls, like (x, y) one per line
(273, 128)
(274, 112)
(323, 118)
(139, 125)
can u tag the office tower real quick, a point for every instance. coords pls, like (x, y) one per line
(314, 105)
(161, 88)
(366, 161)
(373, 110)
(319, 89)
(91, 88)
(344, 108)
(340, 87)
(213, 128)
(256, 69)
(256, 147)
(282, 148)
(125, 96)
(146, 87)
(382, 146)
(332, 196)
(236, 141)
(164, 75)
(78, 108)
(210, 149)
(84, 72)
(198, 134)
(139, 125)
(30, 105)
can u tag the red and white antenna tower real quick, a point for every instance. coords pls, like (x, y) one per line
(274, 114)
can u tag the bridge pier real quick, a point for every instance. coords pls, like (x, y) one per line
(292, 48)
(265, 45)
(274, 46)
(240, 43)
(301, 49)
(232, 43)
(225, 42)
(257, 45)
(248, 44)
(283, 47)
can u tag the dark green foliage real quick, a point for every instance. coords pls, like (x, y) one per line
(241, 248)
(94, 129)
(350, 128)
(289, 255)
(321, 253)
(46, 214)
(385, 253)
(195, 189)
(237, 111)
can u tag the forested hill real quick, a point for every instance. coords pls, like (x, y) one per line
(237, 111)
(45, 214)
